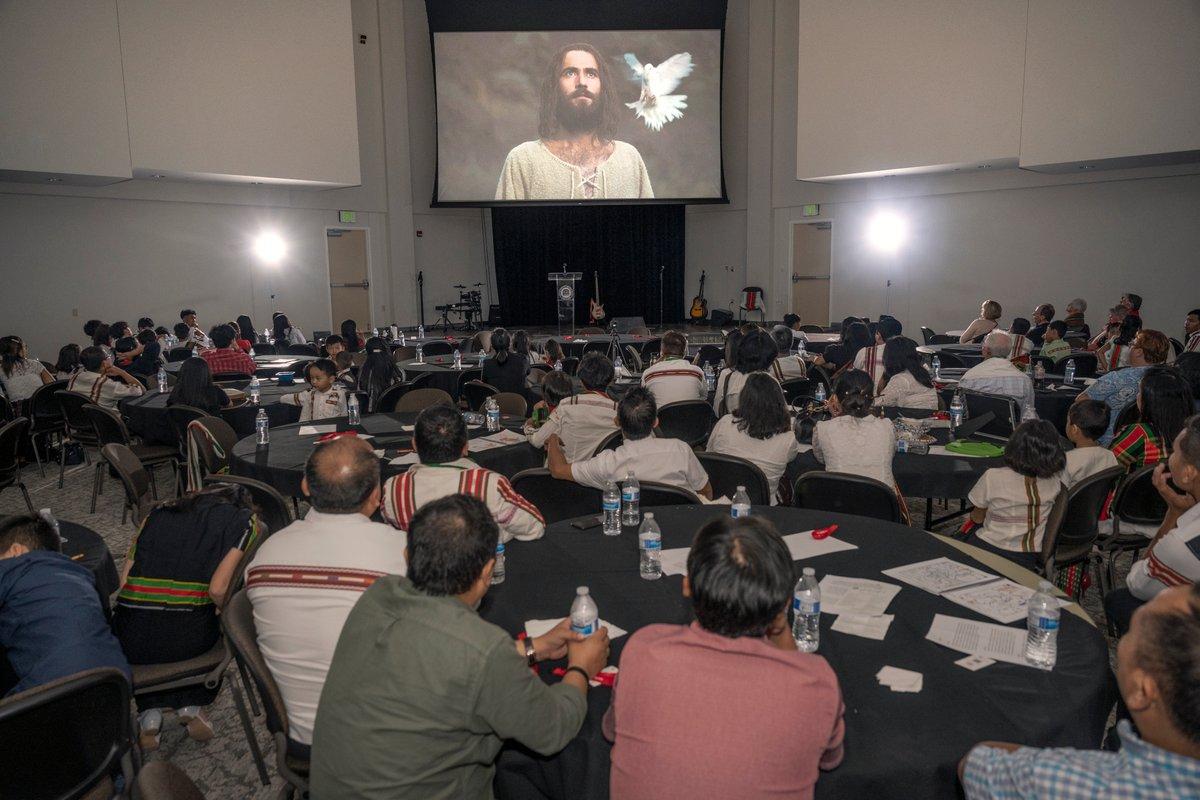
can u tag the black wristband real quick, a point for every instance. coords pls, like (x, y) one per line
(582, 672)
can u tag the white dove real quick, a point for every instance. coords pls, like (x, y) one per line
(656, 105)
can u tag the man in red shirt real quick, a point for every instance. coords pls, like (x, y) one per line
(725, 707)
(225, 355)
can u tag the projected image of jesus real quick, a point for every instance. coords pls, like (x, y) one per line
(575, 156)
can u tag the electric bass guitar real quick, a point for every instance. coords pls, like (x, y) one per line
(699, 304)
(594, 308)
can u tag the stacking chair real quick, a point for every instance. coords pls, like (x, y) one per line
(180, 353)
(476, 393)
(421, 399)
(942, 338)
(690, 421)
(1136, 502)
(611, 442)
(7, 412)
(162, 780)
(10, 468)
(928, 334)
(78, 426)
(64, 739)
(541, 369)
(570, 364)
(1085, 364)
(753, 301)
(572, 349)
(299, 350)
(1176, 346)
(660, 494)
(651, 350)
(512, 404)
(1073, 524)
(237, 622)
(180, 417)
(814, 329)
(847, 494)
(596, 347)
(226, 377)
(440, 348)
(471, 374)
(270, 506)
(134, 478)
(386, 402)
(264, 349)
(818, 374)
(797, 388)
(710, 354)
(210, 442)
(45, 418)
(633, 358)
(404, 353)
(110, 429)
(422, 380)
(726, 473)
(556, 499)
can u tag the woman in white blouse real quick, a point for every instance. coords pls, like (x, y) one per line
(984, 324)
(20, 375)
(905, 382)
(760, 430)
(854, 441)
(285, 334)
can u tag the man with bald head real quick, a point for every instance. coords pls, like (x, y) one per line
(997, 375)
(304, 579)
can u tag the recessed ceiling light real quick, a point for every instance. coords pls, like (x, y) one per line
(55, 180)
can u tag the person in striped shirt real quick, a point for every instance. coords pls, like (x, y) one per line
(101, 382)
(870, 359)
(1191, 332)
(674, 378)
(1164, 401)
(440, 436)
(1118, 352)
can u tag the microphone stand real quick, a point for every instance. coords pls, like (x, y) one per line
(661, 268)
(421, 291)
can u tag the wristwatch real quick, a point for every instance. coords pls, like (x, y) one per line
(530, 653)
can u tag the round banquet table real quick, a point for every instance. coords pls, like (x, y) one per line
(445, 376)
(147, 415)
(970, 354)
(281, 463)
(267, 365)
(898, 745)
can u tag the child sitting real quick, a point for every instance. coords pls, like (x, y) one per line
(1054, 346)
(1087, 421)
(323, 400)
(346, 379)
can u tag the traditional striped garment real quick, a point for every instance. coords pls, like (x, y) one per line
(1193, 343)
(870, 361)
(1017, 508)
(316, 405)
(674, 380)
(1137, 446)
(1113, 356)
(100, 389)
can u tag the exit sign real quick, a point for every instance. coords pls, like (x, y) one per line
(810, 210)
(346, 216)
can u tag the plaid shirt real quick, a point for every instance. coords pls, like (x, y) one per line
(1140, 771)
(227, 360)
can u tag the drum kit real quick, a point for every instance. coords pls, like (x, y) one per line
(469, 309)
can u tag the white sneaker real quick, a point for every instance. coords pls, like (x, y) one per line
(149, 725)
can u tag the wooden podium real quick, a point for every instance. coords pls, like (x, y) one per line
(564, 291)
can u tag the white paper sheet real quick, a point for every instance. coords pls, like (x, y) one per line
(868, 627)
(939, 575)
(536, 627)
(674, 561)
(857, 596)
(407, 458)
(1002, 600)
(316, 430)
(802, 545)
(900, 680)
(499, 439)
(998, 642)
(974, 663)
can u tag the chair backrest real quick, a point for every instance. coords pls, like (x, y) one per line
(1085, 364)
(572, 349)
(11, 435)
(272, 508)
(180, 416)
(950, 360)
(796, 388)
(927, 334)
(300, 350)
(237, 621)
(570, 364)
(611, 442)
(404, 353)
(109, 427)
(512, 404)
(7, 412)
(359, 358)
(710, 354)
(654, 493)
(471, 374)
(819, 374)
(162, 780)
(65, 737)
(180, 353)
(421, 380)
(1137, 501)
(556, 499)
(264, 349)
(541, 370)
(212, 440)
(942, 338)
(440, 348)
(633, 357)
(596, 347)
(752, 297)
(386, 402)
(423, 398)
(42, 407)
(298, 367)
(811, 329)
(651, 350)
(79, 424)
(726, 473)
(1006, 411)
(690, 421)
(133, 477)
(1073, 524)
(1176, 346)
(230, 376)
(847, 494)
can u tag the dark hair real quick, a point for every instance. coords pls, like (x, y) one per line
(732, 342)
(181, 331)
(343, 487)
(1130, 326)
(553, 350)
(378, 372)
(333, 338)
(520, 344)
(187, 312)
(741, 576)
(1034, 450)
(439, 435)
(782, 336)
(246, 329)
(1135, 300)
(68, 358)
(755, 352)
(450, 541)
(1195, 312)
(673, 343)
(324, 364)
(900, 355)
(89, 327)
(344, 361)
(126, 344)
(102, 335)
(1020, 326)
(607, 103)
(595, 371)
(790, 319)
(147, 336)
(889, 327)
(856, 337)
(145, 322)
(1189, 445)
(762, 411)
(1090, 416)
(1188, 365)
(29, 530)
(501, 342)
(636, 414)
(1059, 327)
(350, 334)
(161, 331)
(556, 387)
(854, 393)
(92, 358)
(194, 386)
(222, 336)
(280, 329)
(117, 329)
(1166, 402)
(1170, 652)
(10, 353)
(1046, 310)
(845, 329)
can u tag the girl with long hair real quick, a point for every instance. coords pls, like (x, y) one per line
(285, 333)
(505, 370)
(759, 430)
(905, 382)
(855, 441)
(194, 387)
(353, 339)
(378, 372)
(68, 362)
(20, 375)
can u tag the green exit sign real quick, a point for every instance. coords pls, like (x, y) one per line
(810, 210)
(346, 216)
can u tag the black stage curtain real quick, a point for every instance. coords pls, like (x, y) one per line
(626, 245)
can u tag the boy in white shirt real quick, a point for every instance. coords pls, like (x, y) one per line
(323, 400)
(1087, 421)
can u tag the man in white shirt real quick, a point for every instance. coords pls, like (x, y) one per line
(870, 359)
(788, 366)
(101, 382)
(648, 457)
(585, 420)
(304, 579)
(674, 378)
(196, 337)
(996, 374)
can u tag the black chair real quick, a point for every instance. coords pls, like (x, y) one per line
(179, 353)
(927, 334)
(651, 350)
(64, 739)
(110, 429)
(78, 426)
(1136, 502)
(570, 364)
(210, 447)
(1085, 364)
(690, 421)
(1176, 346)
(950, 360)
(710, 354)
(541, 369)
(422, 380)
(134, 478)
(10, 468)
(942, 338)
(847, 494)
(440, 348)
(820, 374)
(45, 418)
(404, 353)
(162, 780)
(1073, 524)
(633, 358)
(611, 442)
(270, 506)
(1126, 417)
(726, 473)
(180, 416)
(1005, 410)
(227, 377)
(264, 349)
(472, 374)
(660, 494)
(811, 329)
(386, 402)
(572, 349)
(298, 350)
(556, 499)
(595, 347)
(7, 412)
(797, 388)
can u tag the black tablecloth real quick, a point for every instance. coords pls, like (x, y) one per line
(445, 376)
(1051, 404)
(147, 415)
(267, 365)
(281, 463)
(85, 546)
(969, 354)
(897, 745)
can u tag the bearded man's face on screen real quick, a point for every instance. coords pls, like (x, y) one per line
(579, 91)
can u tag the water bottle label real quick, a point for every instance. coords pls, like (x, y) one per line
(801, 606)
(651, 544)
(500, 549)
(586, 630)
(630, 495)
(612, 505)
(1047, 623)
(740, 511)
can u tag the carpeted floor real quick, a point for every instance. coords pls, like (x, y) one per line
(223, 767)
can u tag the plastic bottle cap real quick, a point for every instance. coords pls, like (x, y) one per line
(581, 590)
(648, 515)
(809, 571)
(741, 488)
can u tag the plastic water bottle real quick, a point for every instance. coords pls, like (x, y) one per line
(255, 390)
(806, 610)
(498, 570)
(266, 334)
(457, 359)
(800, 349)
(262, 427)
(631, 496)
(957, 412)
(741, 503)
(937, 368)
(585, 616)
(420, 354)
(51, 521)
(611, 506)
(1039, 373)
(558, 365)
(402, 339)
(820, 393)
(710, 378)
(352, 409)
(1069, 371)
(1041, 641)
(492, 409)
(420, 331)
(162, 380)
(650, 549)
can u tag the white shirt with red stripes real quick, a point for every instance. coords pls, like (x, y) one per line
(674, 380)
(582, 422)
(1193, 343)
(1174, 560)
(101, 389)
(302, 582)
(870, 361)
(788, 368)
(423, 483)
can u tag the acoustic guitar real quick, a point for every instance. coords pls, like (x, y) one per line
(699, 304)
(594, 308)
